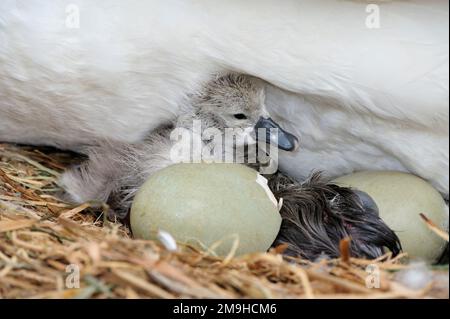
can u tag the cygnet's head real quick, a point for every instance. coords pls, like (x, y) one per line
(236, 101)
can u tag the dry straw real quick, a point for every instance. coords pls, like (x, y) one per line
(42, 239)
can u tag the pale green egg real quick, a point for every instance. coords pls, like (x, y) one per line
(204, 204)
(400, 198)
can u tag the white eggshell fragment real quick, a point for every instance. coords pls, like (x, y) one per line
(401, 197)
(206, 204)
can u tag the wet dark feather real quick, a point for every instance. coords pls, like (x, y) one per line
(317, 215)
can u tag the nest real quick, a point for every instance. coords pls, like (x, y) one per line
(50, 249)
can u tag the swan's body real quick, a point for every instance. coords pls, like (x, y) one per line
(360, 98)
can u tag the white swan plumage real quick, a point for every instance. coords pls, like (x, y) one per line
(360, 97)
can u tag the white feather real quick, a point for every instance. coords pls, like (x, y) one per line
(167, 240)
(416, 276)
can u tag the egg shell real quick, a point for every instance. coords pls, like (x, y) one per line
(203, 204)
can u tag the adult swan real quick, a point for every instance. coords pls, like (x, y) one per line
(365, 86)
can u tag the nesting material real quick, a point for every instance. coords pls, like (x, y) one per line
(404, 201)
(44, 240)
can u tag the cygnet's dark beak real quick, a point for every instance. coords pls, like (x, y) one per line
(285, 141)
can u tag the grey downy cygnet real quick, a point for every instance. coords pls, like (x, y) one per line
(228, 115)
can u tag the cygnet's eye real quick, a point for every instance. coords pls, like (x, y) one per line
(240, 116)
